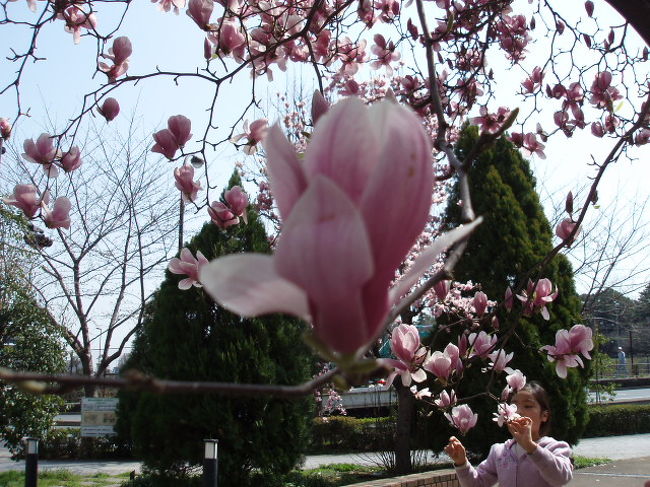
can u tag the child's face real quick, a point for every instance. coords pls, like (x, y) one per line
(528, 406)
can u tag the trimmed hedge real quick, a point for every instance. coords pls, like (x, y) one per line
(342, 434)
(623, 419)
(66, 443)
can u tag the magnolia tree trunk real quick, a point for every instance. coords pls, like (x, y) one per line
(405, 416)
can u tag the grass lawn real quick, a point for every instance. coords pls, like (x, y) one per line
(62, 478)
(333, 475)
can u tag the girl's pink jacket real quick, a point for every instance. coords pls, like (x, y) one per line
(548, 466)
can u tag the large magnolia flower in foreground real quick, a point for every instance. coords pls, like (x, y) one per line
(352, 209)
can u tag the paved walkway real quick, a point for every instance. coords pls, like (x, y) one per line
(631, 465)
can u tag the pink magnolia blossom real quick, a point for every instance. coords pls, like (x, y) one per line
(190, 266)
(229, 39)
(221, 215)
(59, 216)
(537, 296)
(200, 12)
(597, 129)
(76, 19)
(532, 146)
(385, 52)
(462, 417)
(109, 109)
(71, 160)
(422, 393)
(516, 380)
(346, 229)
(119, 54)
(490, 123)
(564, 229)
(168, 5)
(237, 201)
(440, 365)
(534, 81)
(165, 143)
(5, 128)
(319, 106)
(642, 137)
(500, 360)
(508, 299)
(568, 345)
(481, 343)
(174, 137)
(26, 198)
(602, 93)
(180, 127)
(42, 152)
(254, 135)
(406, 346)
(480, 303)
(185, 183)
(446, 399)
(505, 412)
(441, 288)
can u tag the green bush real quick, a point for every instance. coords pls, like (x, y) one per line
(63, 444)
(169, 480)
(620, 419)
(344, 434)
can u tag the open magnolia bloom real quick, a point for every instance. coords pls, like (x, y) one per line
(352, 208)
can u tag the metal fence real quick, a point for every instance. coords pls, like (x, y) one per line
(636, 369)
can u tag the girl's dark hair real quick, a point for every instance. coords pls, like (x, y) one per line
(541, 396)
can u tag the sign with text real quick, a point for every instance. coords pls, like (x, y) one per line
(98, 416)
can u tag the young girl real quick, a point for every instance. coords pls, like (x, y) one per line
(530, 459)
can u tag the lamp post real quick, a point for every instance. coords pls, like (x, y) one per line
(210, 463)
(31, 463)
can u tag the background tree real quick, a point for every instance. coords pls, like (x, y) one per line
(185, 335)
(505, 251)
(93, 277)
(612, 314)
(28, 341)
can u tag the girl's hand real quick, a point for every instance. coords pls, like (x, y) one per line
(456, 451)
(520, 429)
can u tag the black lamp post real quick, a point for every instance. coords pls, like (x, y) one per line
(210, 463)
(31, 463)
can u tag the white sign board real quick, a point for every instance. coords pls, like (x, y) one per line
(98, 416)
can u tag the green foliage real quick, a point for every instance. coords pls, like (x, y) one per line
(342, 434)
(512, 241)
(619, 419)
(584, 462)
(28, 341)
(66, 444)
(186, 336)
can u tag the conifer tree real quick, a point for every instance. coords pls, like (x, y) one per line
(186, 336)
(513, 239)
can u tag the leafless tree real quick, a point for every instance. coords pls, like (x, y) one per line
(96, 277)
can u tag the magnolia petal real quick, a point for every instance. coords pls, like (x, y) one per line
(560, 369)
(345, 134)
(286, 175)
(428, 257)
(185, 284)
(248, 284)
(405, 168)
(419, 375)
(324, 247)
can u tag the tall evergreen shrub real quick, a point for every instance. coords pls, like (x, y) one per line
(186, 336)
(514, 237)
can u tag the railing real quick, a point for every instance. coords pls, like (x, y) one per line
(627, 370)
